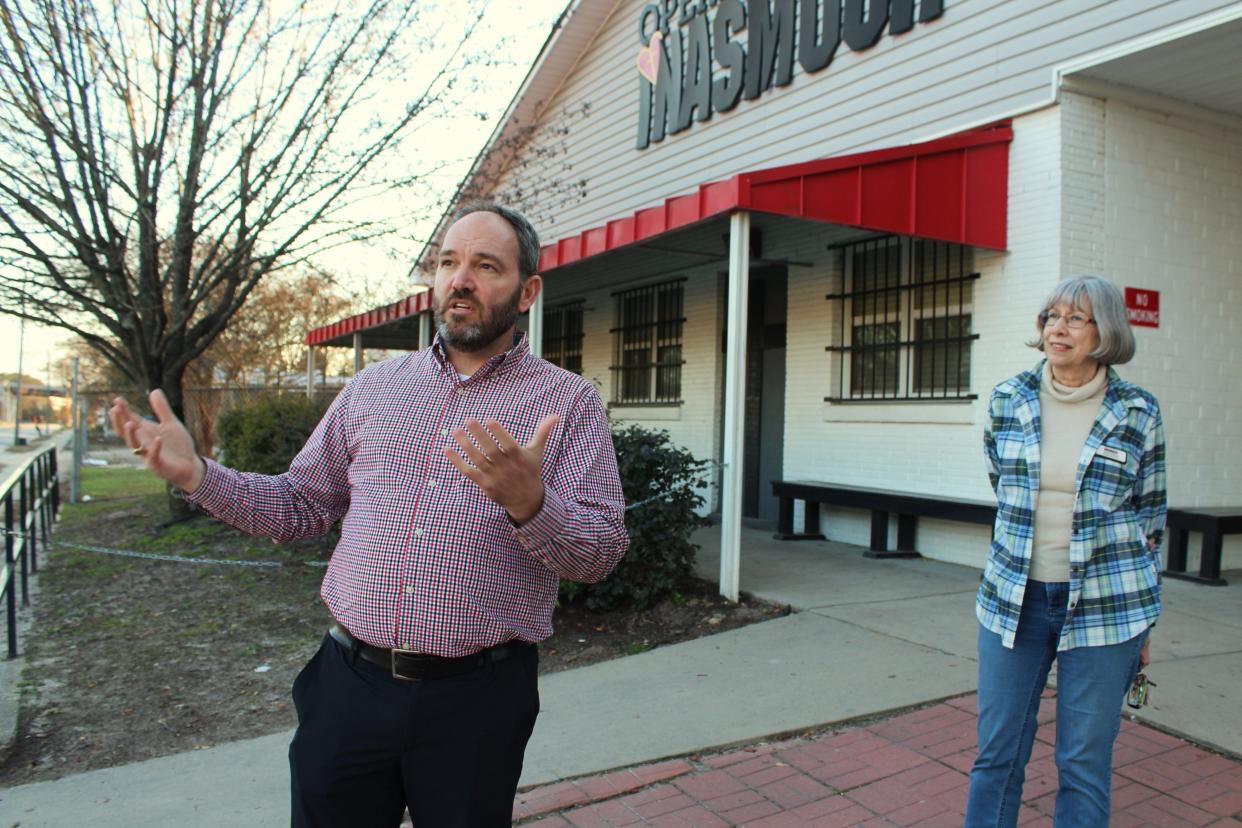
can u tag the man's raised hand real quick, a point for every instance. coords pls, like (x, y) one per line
(505, 470)
(165, 446)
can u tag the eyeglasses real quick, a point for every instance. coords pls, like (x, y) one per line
(1074, 321)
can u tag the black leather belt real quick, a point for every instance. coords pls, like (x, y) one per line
(414, 666)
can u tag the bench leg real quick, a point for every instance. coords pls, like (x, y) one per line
(810, 520)
(1209, 558)
(905, 533)
(784, 518)
(785, 522)
(1177, 550)
(879, 536)
(879, 531)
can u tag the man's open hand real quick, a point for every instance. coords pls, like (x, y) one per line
(505, 470)
(165, 446)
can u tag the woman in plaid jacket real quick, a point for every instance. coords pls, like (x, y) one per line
(1076, 457)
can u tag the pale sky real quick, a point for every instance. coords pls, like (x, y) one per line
(528, 22)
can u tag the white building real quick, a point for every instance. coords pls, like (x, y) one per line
(877, 222)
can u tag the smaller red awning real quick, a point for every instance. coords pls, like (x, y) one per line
(953, 189)
(396, 312)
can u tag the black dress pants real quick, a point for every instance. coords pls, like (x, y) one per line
(368, 745)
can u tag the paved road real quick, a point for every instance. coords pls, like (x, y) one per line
(27, 431)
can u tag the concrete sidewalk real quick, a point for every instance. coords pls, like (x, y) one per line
(871, 637)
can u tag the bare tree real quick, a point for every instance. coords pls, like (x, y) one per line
(537, 176)
(159, 158)
(266, 341)
(524, 167)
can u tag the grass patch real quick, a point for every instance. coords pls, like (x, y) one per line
(112, 483)
(129, 506)
(115, 493)
(142, 507)
(92, 565)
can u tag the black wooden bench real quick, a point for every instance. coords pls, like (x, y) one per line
(881, 503)
(1214, 523)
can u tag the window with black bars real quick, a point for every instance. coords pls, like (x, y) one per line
(562, 336)
(905, 321)
(646, 366)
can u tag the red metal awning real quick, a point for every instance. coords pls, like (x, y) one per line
(953, 189)
(340, 333)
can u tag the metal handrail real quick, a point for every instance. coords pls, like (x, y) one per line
(31, 497)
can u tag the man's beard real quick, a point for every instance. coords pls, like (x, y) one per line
(494, 322)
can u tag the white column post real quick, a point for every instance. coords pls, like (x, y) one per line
(734, 406)
(534, 326)
(357, 351)
(424, 330)
(310, 371)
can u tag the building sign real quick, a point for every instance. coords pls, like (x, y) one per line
(692, 63)
(1143, 307)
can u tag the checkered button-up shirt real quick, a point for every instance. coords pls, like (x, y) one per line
(1118, 521)
(426, 560)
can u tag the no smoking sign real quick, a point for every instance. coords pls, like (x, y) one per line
(1143, 307)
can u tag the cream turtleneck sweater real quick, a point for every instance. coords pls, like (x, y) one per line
(1066, 415)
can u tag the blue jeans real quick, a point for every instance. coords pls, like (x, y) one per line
(1091, 683)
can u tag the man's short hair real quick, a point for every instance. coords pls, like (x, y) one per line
(528, 239)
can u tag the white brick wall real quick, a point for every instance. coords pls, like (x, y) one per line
(1143, 198)
(1173, 223)
(1083, 196)
(896, 449)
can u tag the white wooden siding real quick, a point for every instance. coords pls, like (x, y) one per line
(982, 59)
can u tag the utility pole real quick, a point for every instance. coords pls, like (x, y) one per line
(21, 346)
(77, 438)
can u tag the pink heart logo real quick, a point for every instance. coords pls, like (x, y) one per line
(649, 58)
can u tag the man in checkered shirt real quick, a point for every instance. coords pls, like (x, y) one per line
(468, 477)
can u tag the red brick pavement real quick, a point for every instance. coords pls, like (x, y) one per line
(910, 770)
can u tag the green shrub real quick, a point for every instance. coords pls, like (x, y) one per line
(661, 556)
(264, 436)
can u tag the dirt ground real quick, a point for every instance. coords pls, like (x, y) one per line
(130, 658)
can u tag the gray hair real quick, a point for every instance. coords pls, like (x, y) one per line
(528, 239)
(1108, 309)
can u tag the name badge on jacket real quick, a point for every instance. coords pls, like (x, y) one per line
(1110, 453)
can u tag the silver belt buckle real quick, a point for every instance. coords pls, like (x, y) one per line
(398, 651)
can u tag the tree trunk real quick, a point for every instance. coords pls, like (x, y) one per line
(170, 383)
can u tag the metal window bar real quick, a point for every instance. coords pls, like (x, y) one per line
(941, 353)
(574, 335)
(562, 336)
(647, 343)
(909, 329)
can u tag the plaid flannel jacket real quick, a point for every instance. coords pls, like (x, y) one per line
(1118, 520)
(426, 560)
